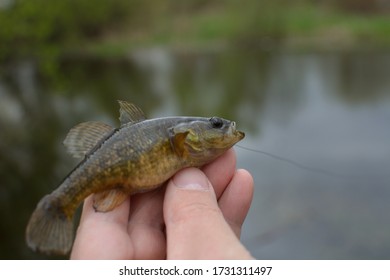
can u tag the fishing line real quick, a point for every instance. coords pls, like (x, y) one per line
(296, 163)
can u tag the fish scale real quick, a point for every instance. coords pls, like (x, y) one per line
(137, 157)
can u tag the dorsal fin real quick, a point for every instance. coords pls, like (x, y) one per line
(83, 137)
(130, 113)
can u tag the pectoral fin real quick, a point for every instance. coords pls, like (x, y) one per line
(107, 200)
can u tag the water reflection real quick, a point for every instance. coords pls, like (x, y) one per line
(329, 111)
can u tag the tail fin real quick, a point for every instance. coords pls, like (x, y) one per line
(49, 230)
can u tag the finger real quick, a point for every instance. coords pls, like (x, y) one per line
(196, 228)
(236, 199)
(146, 225)
(221, 171)
(99, 232)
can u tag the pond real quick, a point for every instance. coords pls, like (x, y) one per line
(326, 114)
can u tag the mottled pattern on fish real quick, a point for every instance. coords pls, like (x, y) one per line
(137, 157)
(131, 158)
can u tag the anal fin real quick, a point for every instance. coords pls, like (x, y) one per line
(107, 200)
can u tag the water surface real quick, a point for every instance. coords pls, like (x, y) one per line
(328, 111)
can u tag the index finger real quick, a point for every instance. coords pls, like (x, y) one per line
(220, 172)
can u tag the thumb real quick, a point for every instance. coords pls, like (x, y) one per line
(195, 226)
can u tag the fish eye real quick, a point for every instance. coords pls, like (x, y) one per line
(216, 122)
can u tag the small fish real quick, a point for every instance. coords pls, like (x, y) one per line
(138, 156)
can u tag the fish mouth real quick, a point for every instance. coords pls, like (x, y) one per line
(240, 135)
(237, 133)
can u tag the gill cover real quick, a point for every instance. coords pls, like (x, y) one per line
(177, 137)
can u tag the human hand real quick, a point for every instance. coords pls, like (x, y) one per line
(198, 216)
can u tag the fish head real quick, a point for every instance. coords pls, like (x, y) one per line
(204, 139)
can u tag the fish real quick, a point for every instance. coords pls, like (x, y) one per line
(138, 156)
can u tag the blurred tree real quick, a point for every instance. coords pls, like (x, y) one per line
(363, 6)
(39, 27)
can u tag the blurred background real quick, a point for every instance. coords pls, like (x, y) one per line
(308, 80)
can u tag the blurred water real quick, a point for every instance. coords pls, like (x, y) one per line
(327, 111)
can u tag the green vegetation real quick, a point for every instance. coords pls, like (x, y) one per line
(111, 27)
(39, 27)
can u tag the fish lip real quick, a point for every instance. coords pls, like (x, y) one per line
(240, 134)
(237, 133)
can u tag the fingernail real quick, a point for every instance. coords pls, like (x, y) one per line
(191, 178)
